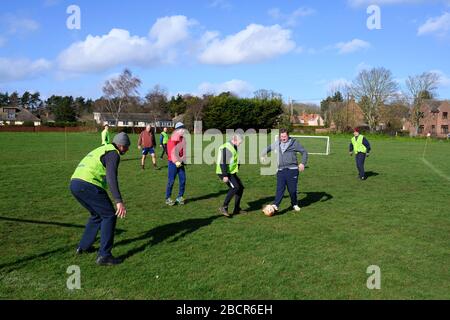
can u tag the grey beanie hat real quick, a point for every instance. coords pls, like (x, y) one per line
(122, 139)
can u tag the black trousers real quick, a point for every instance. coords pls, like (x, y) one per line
(164, 150)
(360, 159)
(236, 190)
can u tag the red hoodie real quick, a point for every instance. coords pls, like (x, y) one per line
(176, 147)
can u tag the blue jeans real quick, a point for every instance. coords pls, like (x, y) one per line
(360, 159)
(103, 215)
(172, 174)
(287, 178)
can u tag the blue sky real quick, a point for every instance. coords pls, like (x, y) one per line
(301, 49)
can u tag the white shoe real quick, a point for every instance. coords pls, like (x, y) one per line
(275, 207)
(297, 208)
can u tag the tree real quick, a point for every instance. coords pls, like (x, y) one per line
(177, 105)
(326, 109)
(62, 107)
(420, 87)
(372, 88)
(156, 102)
(393, 115)
(264, 94)
(120, 92)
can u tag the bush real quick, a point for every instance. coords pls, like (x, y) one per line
(28, 124)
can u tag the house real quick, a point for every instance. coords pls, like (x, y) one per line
(138, 120)
(305, 119)
(435, 120)
(11, 115)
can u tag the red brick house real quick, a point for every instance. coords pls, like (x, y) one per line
(436, 119)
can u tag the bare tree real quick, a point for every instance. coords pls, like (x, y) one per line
(120, 92)
(372, 88)
(156, 102)
(420, 87)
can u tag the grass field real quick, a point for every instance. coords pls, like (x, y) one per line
(399, 220)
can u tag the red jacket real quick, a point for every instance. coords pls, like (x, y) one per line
(146, 139)
(176, 148)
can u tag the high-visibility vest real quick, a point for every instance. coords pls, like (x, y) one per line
(233, 166)
(358, 145)
(106, 138)
(165, 137)
(91, 168)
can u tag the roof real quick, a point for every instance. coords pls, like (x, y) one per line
(21, 115)
(141, 117)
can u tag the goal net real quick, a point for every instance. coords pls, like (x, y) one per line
(319, 145)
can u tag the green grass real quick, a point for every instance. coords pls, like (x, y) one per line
(398, 219)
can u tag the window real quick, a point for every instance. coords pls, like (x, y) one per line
(444, 129)
(11, 114)
(433, 129)
(421, 129)
(135, 123)
(444, 115)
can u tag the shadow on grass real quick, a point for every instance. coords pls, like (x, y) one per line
(371, 174)
(207, 196)
(311, 198)
(178, 230)
(17, 263)
(51, 223)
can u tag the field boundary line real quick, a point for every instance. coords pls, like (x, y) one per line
(437, 171)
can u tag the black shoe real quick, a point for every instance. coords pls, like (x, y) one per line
(108, 261)
(239, 211)
(88, 250)
(363, 178)
(224, 211)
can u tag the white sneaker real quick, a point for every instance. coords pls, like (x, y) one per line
(275, 207)
(297, 208)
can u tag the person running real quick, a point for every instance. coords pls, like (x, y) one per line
(227, 167)
(288, 167)
(106, 137)
(361, 147)
(97, 171)
(163, 139)
(176, 147)
(146, 142)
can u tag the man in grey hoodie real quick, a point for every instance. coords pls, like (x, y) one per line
(288, 167)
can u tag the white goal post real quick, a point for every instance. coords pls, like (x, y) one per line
(327, 138)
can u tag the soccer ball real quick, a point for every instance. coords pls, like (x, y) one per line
(268, 210)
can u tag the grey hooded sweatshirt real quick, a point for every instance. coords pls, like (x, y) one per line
(287, 153)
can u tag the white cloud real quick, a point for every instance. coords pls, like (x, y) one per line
(168, 31)
(337, 85)
(359, 3)
(119, 47)
(51, 3)
(99, 53)
(18, 25)
(221, 4)
(444, 80)
(253, 44)
(290, 19)
(352, 46)
(238, 87)
(439, 25)
(363, 66)
(22, 69)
